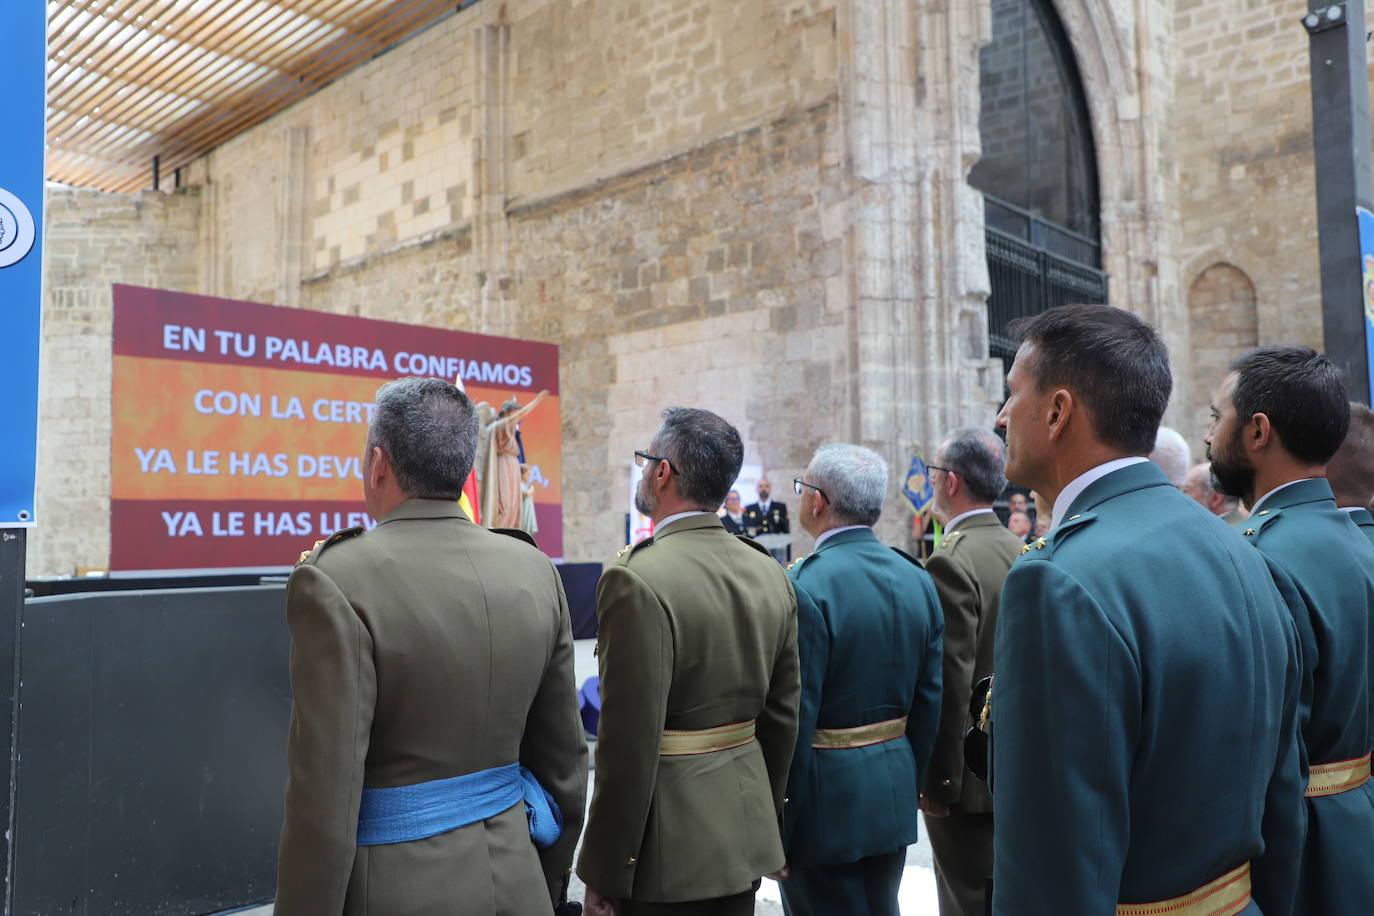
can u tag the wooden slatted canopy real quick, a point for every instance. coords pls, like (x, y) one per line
(130, 80)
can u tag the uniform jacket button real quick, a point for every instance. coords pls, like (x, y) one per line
(630, 861)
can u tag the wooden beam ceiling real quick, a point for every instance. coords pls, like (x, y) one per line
(130, 80)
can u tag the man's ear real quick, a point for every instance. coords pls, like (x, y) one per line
(1061, 411)
(380, 469)
(1258, 433)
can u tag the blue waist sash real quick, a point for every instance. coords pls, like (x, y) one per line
(404, 813)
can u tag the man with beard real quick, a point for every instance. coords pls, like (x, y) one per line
(1351, 471)
(1277, 418)
(766, 516)
(1147, 677)
(697, 640)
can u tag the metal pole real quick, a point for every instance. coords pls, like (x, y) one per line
(1341, 138)
(12, 543)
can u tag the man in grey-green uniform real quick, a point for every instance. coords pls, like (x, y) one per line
(1278, 417)
(1351, 470)
(697, 638)
(968, 567)
(434, 704)
(868, 625)
(1145, 754)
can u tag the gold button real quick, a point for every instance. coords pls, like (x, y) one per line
(1249, 531)
(1074, 518)
(1264, 512)
(785, 799)
(948, 783)
(630, 860)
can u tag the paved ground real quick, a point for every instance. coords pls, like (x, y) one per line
(917, 895)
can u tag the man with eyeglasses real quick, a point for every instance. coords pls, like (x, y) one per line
(868, 623)
(697, 641)
(968, 567)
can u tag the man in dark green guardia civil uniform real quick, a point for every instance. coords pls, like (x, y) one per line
(697, 639)
(433, 695)
(1351, 470)
(968, 567)
(1145, 755)
(868, 624)
(1278, 417)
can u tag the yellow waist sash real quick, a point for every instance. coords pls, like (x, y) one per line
(1338, 777)
(859, 735)
(683, 742)
(1225, 896)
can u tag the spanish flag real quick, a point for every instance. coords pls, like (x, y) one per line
(468, 502)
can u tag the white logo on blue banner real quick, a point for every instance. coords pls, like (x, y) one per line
(17, 230)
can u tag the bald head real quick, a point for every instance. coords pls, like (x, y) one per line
(1351, 469)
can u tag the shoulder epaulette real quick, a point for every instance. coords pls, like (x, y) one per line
(948, 541)
(518, 533)
(1255, 524)
(623, 553)
(797, 563)
(908, 557)
(313, 554)
(1061, 533)
(754, 544)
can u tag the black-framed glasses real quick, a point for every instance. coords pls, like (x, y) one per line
(936, 467)
(798, 484)
(643, 458)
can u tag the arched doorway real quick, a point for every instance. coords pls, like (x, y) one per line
(1038, 172)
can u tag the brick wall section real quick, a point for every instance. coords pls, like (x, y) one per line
(92, 241)
(1222, 321)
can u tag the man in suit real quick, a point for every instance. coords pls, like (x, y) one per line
(1198, 485)
(731, 514)
(1279, 415)
(430, 661)
(697, 642)
(1147, 676)
(868, 624)
(1351, 470)
(766, 516)
(968, 568)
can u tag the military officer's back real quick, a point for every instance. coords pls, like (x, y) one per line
(699, 683)
(1351, 469)
(430, 660)
(869, 635)
(968, 568)
(1145, 701)
(1281, 413)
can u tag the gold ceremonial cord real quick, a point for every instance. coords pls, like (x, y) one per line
(859, 735)
(1335, 778)
(682, 742)
(1225, 896)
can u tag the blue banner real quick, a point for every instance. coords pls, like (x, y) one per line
(1367, 285)
(23, 48)
(916, 488)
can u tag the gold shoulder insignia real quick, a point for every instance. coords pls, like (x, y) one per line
(796, 562)
(1025, 549)
(624, 550)
(1249, 532)
(1040, 543)
(342, 534)
(950, 540)
(309, 550)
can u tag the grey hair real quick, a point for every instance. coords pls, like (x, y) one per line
(705, 451)
(1205, 481)
(428, 430)
(854, 480)
(979, 457)
(1172, 454)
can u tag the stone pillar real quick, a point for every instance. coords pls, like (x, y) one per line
(293, 208)
(490, 169)
(910, 97)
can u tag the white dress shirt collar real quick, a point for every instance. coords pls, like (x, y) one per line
(763, 506)
(680, 515)
(1085, 480)
(949, 526)
(1259, 502)
(1351, 508)
(826, 535)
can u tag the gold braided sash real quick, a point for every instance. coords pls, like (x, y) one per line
(859, 735)
(1338, 777)
(684, 742)
(1225, 896)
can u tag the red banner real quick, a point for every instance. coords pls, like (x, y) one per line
(239, 428)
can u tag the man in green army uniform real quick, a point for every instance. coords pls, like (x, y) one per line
(968, 567)
(1351, 471)
(434, 703)
(868, 624)
(1145, 755)
(697, 638)
(1278, 417)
